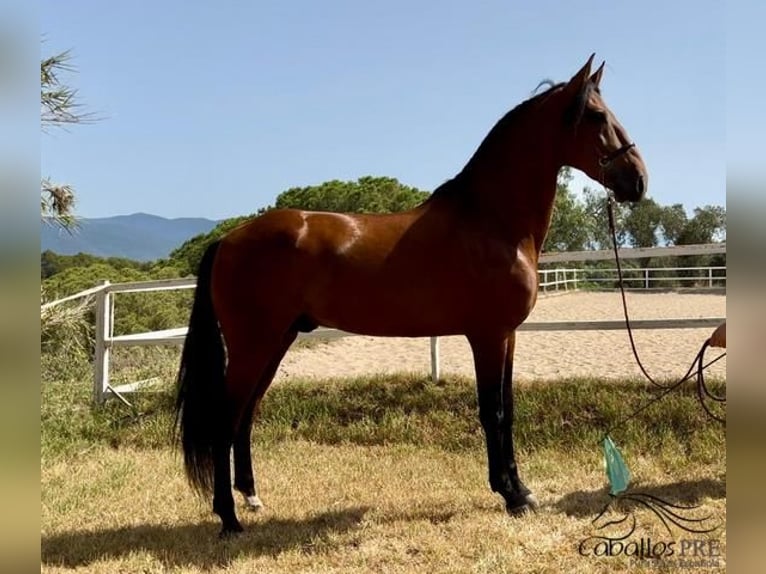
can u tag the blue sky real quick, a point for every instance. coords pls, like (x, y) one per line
(213, 109)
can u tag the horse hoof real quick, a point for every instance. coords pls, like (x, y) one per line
(230, 530)
(525, 505)
(253, 503)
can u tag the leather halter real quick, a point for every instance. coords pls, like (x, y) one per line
(605, 160)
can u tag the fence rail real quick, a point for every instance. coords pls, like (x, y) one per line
(558, 279)
(714, 276)
(635, 253)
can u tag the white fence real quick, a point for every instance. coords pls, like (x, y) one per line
(550, 279)
(643, 278)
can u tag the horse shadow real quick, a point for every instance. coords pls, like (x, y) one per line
(197, 545)
(589, 503)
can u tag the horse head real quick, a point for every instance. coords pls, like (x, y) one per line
(595, 142)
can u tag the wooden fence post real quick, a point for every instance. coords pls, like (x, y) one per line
(435, 359)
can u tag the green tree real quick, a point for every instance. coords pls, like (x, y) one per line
(569, 223)
(366, 195)
(52, 263)
(642, 222)
(708, 225)
(597, 220)
(673, 220)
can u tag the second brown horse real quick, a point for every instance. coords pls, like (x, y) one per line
(462, 263)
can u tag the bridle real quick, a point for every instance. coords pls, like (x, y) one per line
(605, 160)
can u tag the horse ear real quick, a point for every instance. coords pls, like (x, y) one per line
(577, 83)
(595, 79)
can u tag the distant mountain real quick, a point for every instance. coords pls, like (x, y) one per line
(141, 236)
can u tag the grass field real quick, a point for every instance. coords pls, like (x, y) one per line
(379, 474)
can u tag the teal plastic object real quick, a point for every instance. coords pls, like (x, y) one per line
(616, 470)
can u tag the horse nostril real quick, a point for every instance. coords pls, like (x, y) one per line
(640, 185)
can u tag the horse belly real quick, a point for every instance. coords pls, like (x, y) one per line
(367, 309)
(370, 294)
(434, 302)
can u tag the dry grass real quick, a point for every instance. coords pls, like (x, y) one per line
(345, 509)
(376, 475)
(64, 328)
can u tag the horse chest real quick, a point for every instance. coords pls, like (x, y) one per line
(506, 287)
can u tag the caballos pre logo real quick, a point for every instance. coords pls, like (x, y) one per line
(617, 536)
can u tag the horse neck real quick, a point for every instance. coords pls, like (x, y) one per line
(515, 195)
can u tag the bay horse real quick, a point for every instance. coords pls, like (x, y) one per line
(463, 262)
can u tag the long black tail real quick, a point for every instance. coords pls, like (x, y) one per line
(200, 386)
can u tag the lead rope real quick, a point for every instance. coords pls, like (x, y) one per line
(616, 469)
(702, 389)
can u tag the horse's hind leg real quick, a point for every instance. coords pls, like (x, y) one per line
(247, 362)
(223, 502)
(244, 478)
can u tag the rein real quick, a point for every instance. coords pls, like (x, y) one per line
(703, 392)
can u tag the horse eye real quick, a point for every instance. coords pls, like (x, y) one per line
(597, 116)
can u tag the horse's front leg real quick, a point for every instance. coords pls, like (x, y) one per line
(493, 359)
(521, 499)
